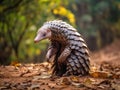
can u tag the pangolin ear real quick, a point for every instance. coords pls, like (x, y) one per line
(48, 30)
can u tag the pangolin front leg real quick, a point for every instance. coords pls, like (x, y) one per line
(64, 54)
(52, 50)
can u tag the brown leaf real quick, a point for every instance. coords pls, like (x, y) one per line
(65, 81)
(42, 76)
(100, 74)
(115, 75)
(77, 84)
(89, 81)
(34, 87)
(74, 79)
(51, 85)
(116, 86)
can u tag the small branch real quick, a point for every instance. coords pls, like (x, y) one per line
(13, 6)
(22, 34)
(10, 35)
(1, 1)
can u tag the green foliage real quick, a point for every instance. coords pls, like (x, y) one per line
(20, 20)
(19, 23)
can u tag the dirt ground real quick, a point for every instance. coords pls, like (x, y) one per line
(104, 74)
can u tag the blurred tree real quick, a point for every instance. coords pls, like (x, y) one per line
(97, 20)
(18, 22)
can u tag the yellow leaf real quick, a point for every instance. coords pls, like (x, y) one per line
(74, 79)
(100, 74)
(15, 63)
(93, 69)
(55, 11)
(62, 11)
(88, 81)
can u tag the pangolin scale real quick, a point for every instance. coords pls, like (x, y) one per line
(68, 46)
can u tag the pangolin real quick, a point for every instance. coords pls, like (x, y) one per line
(68, 46)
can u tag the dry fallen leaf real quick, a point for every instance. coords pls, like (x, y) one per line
(15, 63)
(46, 64)
(115, 76)
(42, 76)
(93, 68)
(115, 86)
(77, 84)
(89, 81)
(74, 79)
(51, 85)
(65, 81)
(100, 74)
(34, 87)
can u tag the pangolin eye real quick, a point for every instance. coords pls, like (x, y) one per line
(44, 34)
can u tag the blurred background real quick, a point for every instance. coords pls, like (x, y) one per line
(97, 20)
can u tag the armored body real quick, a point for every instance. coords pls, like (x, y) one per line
(68, 46)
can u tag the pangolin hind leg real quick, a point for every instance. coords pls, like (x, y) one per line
(58, 69)
(77, 64)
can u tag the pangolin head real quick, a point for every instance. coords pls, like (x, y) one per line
(43, 33)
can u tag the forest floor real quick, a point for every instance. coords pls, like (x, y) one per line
(104, 74)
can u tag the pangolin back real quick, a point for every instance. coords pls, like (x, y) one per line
(78, 61)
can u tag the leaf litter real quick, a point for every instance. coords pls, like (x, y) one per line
(103, 75)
